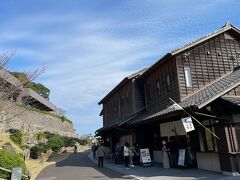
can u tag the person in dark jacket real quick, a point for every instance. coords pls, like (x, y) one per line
(173, 150)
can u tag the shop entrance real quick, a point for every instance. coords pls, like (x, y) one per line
(187, 141)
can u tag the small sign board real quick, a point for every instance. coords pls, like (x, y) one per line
(145, 157)
(181, 157)
(188, 124)
(16, 173)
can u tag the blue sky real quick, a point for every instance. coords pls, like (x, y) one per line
(88, 46)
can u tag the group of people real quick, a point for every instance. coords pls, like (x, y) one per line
(170, 151)
(128, 154)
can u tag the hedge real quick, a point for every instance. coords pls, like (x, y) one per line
(9, 160)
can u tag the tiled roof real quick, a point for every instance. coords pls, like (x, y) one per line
(232, 99)
(226, 27)
(202, 97)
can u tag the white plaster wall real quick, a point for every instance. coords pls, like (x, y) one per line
(208, 161)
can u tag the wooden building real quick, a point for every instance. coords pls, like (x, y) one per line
(122, 104)
(204, 78)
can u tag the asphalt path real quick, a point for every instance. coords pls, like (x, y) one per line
(78, 167)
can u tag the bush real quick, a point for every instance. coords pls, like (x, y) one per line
(49, 135)
(10, 160)
(82, 142)
(16, 136)
(55, 143)
(36, 150)
(39, 135)
(69, 141)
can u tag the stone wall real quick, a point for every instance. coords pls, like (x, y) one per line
(13, 116)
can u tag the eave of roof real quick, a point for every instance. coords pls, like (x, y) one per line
(234, 100)
(167, 56)
(124, 81)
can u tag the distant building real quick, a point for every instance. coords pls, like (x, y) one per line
(204, 78)
(14, 90)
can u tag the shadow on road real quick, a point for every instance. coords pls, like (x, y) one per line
(82, 161)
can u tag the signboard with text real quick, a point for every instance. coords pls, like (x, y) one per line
(188, 124)
(145, 156)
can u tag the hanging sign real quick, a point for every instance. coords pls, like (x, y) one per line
(145, 156)
(188, 124)
(181, 157)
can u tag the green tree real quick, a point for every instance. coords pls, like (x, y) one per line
(37, 87)
(55, 143)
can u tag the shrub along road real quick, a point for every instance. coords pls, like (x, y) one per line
(78, 167)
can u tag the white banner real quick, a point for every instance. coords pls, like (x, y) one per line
(145, 156)
(188, 124)
(181, 157)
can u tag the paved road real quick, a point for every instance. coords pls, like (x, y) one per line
(78, 167)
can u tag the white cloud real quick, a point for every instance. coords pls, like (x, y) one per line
(88, 53)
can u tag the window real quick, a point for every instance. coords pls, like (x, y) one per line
(149, 92)
(158, 87)
(168, 83)
(188, 76)
(208, 140)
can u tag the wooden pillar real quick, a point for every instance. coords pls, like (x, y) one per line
(228, 149)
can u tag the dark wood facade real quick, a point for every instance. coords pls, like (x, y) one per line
(208, 61)
(126, 100)
(161, 84)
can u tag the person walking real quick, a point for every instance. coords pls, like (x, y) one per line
(100, 153)
(165, 155)
(126, 155)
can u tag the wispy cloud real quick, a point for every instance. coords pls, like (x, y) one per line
(89, 47)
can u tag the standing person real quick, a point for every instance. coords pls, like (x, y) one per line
(75, 149)
(100, 154)
(137, 155)
(173, 149)
(132, 152)
(165, 155)
(126, 154)
(94, 150)
(118, 151)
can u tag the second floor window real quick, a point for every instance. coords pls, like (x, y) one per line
(168, 83)
(149, 91)
(158, 87)
(188, 76)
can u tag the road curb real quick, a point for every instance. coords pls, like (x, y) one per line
(90, 156)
